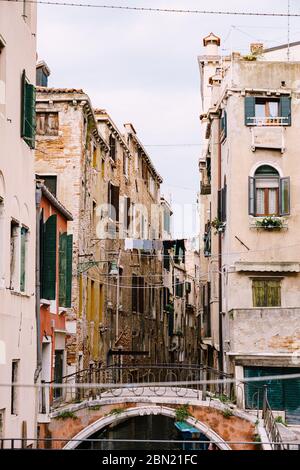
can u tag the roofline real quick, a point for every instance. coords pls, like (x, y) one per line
(53, 200)
(157, 175)
(102, 115)
(282, 46)
(87, 105)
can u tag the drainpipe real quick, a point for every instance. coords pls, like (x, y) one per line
(221, 360)
(38, 197)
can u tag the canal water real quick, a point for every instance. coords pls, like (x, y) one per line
(141, 427)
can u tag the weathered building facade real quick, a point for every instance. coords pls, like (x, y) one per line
(250, 218)
(18, 337)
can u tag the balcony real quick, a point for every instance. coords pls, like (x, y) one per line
(260, 331)
(268, 121)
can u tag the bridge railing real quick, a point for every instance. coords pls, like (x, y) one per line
(151, 380)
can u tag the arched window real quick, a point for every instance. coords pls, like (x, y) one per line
(268, 193)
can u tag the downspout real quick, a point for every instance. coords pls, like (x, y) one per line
(38, 197)
(221, 360)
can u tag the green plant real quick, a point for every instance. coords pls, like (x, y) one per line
(250, 57)
(280, 420)
(269, 222)
(182, 413)
(117, 411)
(218, 225)
(66, 415)
(223, 398)
(256, 438)
(95, 407)
(227, 413)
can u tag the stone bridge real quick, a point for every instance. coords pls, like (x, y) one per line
(118, 394)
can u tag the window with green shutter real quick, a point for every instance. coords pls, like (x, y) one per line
(28, 114)
(65, 269)
(24, 233)
(266, 292)
(48, 282)
(268, 111)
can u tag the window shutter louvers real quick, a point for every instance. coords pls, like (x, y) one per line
(285, 109)
(251, 197)
(62, 268)
(249, 109)
(69, 271)
(28, 113)
(49, 259)
(284, 196)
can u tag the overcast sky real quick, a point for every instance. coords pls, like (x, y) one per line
(142, 68)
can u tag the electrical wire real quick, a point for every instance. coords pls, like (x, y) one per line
(158, 10)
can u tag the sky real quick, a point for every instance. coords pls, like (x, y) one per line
(142, 68)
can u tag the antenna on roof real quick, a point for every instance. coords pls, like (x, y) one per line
(289, 17)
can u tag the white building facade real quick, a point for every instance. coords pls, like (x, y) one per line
(18, 336)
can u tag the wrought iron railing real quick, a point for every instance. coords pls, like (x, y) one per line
(271, 425)
(157, 380)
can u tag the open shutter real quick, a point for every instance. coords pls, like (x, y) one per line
(249, 110)
(48, 287)
(284, 196)
(285, 110)
(28, 114)
(62, 268)
(69, 271)
(251, 196)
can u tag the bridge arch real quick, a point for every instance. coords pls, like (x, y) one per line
(142, 411)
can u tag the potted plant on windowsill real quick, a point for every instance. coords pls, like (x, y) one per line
(218, 225)
(269, 223)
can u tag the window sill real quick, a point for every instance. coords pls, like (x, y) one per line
(19, 294)
(45, 302)
(253, 224)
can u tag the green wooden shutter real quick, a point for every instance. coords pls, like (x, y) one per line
(254, 391)
(249, 110)
(69, 271)
(251, 196)
(23, 259)
(28, 113)
(62, 269)
(258, 291)
(273, 293)
(291, 394)
(285, 110)
(49, 259)
(284, 196)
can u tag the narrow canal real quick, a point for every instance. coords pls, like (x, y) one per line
(146, 428)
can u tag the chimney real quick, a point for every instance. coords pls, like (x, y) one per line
(256, 48)
(212, 43)
(42, 74)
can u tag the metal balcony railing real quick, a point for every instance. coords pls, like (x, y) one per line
(268, 121)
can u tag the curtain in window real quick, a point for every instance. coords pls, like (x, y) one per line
(260, 201)
(273, 108)
(272, 201)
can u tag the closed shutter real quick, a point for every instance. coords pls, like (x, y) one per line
(249, 110)
(251, 196)
(285, 110)
(62, 268)
(28, 113)
(254, 391)
(48, 287)
(115, 201)
(69, 271)
(166, 258)
(284, 196)
(291, 390)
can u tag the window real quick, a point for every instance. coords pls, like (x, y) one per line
(265, 111)
(28, 115)
(152, 186)
(94, 153)
(179, 287)
(14, 389)
(23, 258)
(223, 125)
(268, 193)
(14, 254)
(112, 149)
(50, 181)
(103, 168)
(266, 292)
(65, 269)
(47, 123)
(126, 213)
(113, 201)
(138, 294)
(48, 235)
(2, 412)
(125, 164)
